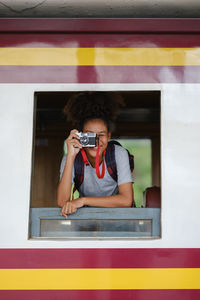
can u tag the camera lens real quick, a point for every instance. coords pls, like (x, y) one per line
(84, 140)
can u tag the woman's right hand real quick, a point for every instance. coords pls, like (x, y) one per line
(71, 207)
(73, 144)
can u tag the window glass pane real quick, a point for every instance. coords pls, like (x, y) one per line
(93, 228)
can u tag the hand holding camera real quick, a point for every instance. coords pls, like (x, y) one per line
(73, 143)
(78, 140)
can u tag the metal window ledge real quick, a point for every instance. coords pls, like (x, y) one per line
(95, 222)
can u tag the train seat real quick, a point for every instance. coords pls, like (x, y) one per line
(152, 197)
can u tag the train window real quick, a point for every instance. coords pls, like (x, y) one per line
(138, 130)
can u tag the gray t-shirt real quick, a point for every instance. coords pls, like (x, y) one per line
(93, 186)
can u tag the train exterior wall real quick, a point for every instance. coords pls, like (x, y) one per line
(81, 58)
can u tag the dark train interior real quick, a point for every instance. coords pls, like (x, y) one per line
(139, 119)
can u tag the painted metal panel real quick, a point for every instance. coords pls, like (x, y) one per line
(100, 279)
(89, 213)
(116, 25)
(180, 181)
(175, 123)
(99, 258)
(142, 268)
(102, 294)
(99, 74)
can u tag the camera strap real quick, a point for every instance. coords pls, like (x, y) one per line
(97, 164)
(85, 160)
(84, 156)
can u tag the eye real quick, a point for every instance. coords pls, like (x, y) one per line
(102, 134)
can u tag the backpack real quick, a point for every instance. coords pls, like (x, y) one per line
(110, 163)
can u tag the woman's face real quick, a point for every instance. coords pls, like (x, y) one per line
(99, 127)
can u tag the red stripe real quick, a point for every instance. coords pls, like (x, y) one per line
(100, 258)
(100, 74)
(101, 294)
(98, 25)
(100, 40)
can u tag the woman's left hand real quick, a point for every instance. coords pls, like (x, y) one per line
(71, 207)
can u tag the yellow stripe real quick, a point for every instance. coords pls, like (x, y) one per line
(100, 56)
(12, 279)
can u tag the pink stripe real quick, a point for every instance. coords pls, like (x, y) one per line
(100, 258)
(100, 74)
(101, 295)
(99, 25)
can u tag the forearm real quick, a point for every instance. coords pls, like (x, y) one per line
(65, 185)
(123, 199)
(109, 201)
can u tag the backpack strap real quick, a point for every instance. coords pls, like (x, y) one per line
(111, 162)
(80, 161)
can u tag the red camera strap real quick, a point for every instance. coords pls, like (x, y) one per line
(84, 156)
(97, 164)
(85, 160)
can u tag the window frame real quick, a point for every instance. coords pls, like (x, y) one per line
(48, 213)
(97, 213)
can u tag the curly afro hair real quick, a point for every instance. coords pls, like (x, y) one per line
(85, 106)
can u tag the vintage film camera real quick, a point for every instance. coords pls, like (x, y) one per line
(88, 139)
